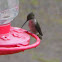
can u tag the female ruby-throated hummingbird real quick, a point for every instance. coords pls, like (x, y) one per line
(33, 25)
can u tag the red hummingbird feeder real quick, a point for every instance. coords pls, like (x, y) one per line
(13, 39)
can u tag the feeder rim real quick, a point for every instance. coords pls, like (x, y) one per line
(23, 47)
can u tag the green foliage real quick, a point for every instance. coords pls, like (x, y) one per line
(41, 59)
(44, 60)
(58, 0)
(34, 2)
(58, 20)
(23, 1)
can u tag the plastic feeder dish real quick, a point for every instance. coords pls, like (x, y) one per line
(14, 40)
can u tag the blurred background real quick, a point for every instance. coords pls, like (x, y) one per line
(49, 16)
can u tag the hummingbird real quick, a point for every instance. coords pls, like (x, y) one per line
(33, 25)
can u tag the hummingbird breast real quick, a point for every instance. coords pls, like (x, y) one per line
(32, 26)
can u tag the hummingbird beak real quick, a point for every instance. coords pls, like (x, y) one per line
(24, 24)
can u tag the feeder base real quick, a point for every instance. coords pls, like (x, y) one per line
(14, 38)
(17, 40)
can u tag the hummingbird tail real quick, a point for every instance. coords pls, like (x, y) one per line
(39, 36)
(23, 24)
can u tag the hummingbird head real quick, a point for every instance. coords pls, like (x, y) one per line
(30, 16)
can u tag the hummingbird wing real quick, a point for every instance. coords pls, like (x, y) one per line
(37, 26)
